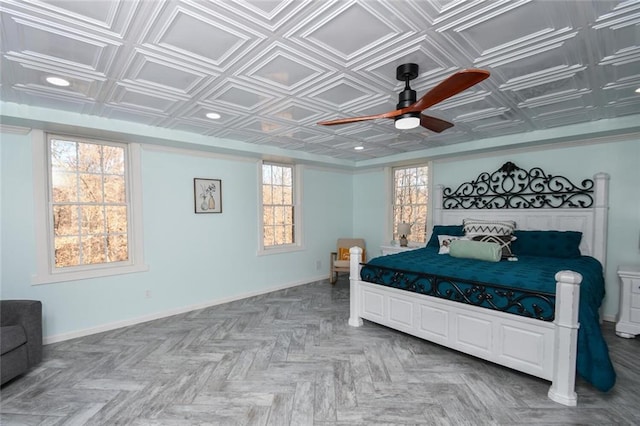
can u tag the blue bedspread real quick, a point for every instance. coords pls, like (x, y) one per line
(529, 272)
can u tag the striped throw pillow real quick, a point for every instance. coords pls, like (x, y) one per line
(473, 227)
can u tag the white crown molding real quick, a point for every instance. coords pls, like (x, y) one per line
(15, 130)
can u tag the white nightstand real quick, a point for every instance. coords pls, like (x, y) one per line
(628, 324)
(391, 249)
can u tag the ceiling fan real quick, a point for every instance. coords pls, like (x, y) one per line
(408, 114)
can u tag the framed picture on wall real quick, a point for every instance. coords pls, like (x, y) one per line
(207, 195)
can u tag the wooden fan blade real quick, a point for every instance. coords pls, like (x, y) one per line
(452, 85)
(434, 124)
(390, 114)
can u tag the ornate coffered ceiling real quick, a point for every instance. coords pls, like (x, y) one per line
(272, 69)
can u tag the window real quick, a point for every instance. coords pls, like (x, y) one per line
(88, 202)
(89, 223)
(280, 215)
(410, 200)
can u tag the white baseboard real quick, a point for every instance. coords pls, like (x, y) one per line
(47, 340)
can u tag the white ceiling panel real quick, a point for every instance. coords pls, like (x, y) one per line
(334, 31)
(284, 70)
(273, 69)
(161, 74)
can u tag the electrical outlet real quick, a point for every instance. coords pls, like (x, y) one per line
(318, 265)
(147, 294)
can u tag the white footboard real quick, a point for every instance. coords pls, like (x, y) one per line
(542, 349)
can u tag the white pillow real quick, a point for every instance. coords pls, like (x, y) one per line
(474, 227)
(445, 240)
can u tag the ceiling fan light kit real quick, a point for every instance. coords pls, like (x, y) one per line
(408, 113)
(407, 121)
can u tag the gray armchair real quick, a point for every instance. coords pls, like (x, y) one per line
(20, 337)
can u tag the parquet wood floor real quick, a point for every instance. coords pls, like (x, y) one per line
(289, 358)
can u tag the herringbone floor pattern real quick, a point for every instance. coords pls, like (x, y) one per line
(289, 358)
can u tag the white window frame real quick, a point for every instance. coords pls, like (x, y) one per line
(391, 226)
(46, 272)
(298, 244)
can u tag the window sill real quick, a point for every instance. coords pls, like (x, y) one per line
(39, 279)
(279, 250)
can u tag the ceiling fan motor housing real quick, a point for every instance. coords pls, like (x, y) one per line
(406, 98)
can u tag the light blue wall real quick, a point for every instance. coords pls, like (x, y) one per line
(619, 159)
(371, 209)
(196, 259)
(328, 209)
(193, 259)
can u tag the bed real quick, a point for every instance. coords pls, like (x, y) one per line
(526, 314)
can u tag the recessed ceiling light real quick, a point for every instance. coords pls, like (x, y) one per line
(58, 81)
(213, 115)
(359, 148)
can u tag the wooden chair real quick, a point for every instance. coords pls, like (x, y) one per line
(340, 258)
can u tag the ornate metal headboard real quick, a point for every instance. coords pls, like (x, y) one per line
(511, 187)
(535, 200)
